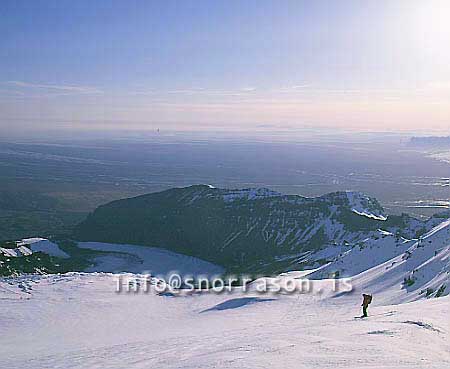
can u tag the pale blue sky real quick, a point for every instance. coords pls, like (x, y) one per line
(375, 64)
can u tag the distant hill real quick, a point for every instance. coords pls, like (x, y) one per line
(249, 229)
(430, 142)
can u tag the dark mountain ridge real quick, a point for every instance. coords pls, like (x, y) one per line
(241, 229)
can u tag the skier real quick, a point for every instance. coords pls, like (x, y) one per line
(367, 299)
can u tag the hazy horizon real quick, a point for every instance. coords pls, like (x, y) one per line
(228, 66)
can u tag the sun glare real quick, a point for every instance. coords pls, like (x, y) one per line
(432, 22)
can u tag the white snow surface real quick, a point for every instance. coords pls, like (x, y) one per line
(16, 252)
(77, 321)
(380, 265)
(43, 245)
(140, 259)
(369, 215)
(370, 252)
(426, 264)
(358, 203)
(27, 246)
(249, 194)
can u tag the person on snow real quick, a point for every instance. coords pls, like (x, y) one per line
(367, 299)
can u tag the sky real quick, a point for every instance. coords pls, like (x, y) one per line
(373, 65)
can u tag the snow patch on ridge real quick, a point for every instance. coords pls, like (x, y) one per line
(365, 206)
(43, 245)
(369, 215)
(17, 252)
(249, 194)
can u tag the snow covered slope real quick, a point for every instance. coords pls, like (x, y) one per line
(78, 321)
(27, 246)
(423, 270)
(45, 246)
(39, 255)
(350, 260)
(140, 259)
(365, 206)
